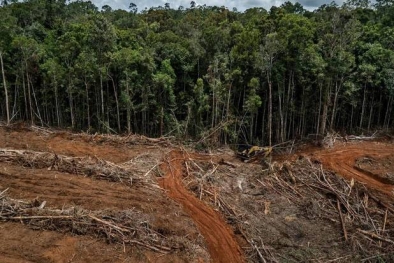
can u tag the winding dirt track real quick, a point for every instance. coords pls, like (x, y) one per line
(342, 160)
(219, 236)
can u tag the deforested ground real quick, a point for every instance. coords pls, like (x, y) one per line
(69, 197)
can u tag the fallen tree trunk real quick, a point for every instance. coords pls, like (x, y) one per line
(361, 138)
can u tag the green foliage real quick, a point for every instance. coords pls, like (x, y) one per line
(280, 73)
(253, 101)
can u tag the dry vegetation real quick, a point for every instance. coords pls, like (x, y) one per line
(297, 212)
(282, 211)
(125, 227)
(144, 225)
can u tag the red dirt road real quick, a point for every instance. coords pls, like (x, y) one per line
(219, 236)
(342, 160)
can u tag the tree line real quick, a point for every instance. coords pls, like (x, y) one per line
(258, 76)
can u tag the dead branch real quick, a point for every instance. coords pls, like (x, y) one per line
(130, 139)
(108, 224)
(384, 221)
(381, 203)
(151, 169)
(3, 192)
(156, 248)
(376, 236)
(222, 161)
(41, 130)
(341, 218)
(36, 217)
(211, 132)
(259, 253)
(361, 137)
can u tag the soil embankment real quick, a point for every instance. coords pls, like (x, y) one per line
(342, 160)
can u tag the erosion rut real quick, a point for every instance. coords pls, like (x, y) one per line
(218, 235)
(342, 160)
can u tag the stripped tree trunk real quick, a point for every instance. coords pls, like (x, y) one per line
(269, 110)
(128, 109)
(87, 103)
(116, 101)
(7, 107)
(363, 107)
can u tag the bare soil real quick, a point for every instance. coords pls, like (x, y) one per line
(313, 206)
(347, 161)
(64, 190)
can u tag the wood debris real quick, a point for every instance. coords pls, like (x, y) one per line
(123, 227)
(88, 166)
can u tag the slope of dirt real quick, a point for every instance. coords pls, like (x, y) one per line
(63, 190)
(342, 159)
(297, 211)
(21, 244)
(67, 144)
(380, 168)
(219, 236)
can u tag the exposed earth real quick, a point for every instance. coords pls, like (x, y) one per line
(315, 205)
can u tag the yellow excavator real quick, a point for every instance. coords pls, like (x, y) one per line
(249, 153)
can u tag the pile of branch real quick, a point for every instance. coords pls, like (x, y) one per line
(329, 140)
(144, 164)
(362, 213)
(87, 166)
(130, 139)
(211, 136)
(123, 227)
(362, 137)
(41, 130)
(362, 216)
(213, 183)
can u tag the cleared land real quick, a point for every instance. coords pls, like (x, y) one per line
(71, 197)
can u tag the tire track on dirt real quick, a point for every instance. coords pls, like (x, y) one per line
(342, 160)
(218, 235)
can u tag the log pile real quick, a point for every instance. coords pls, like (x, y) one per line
(123, 227)
(87, 166)
(363, 214)
(130, 139)
(110, 139)
(362, 218)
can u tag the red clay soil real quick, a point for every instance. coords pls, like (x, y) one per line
(61, 189)
(342, 160)
(18, 243)
(64, 143)
(219, 236)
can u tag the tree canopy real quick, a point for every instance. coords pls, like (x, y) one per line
(258, 76)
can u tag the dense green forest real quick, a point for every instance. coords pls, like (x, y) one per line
(260, 76)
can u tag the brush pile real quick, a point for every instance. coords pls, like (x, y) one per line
(87, 166)
(111, 139)
(293, 210)
(130, 139)
(124, 227)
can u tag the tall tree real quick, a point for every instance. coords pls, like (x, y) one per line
(7, 106)
(269, 51)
